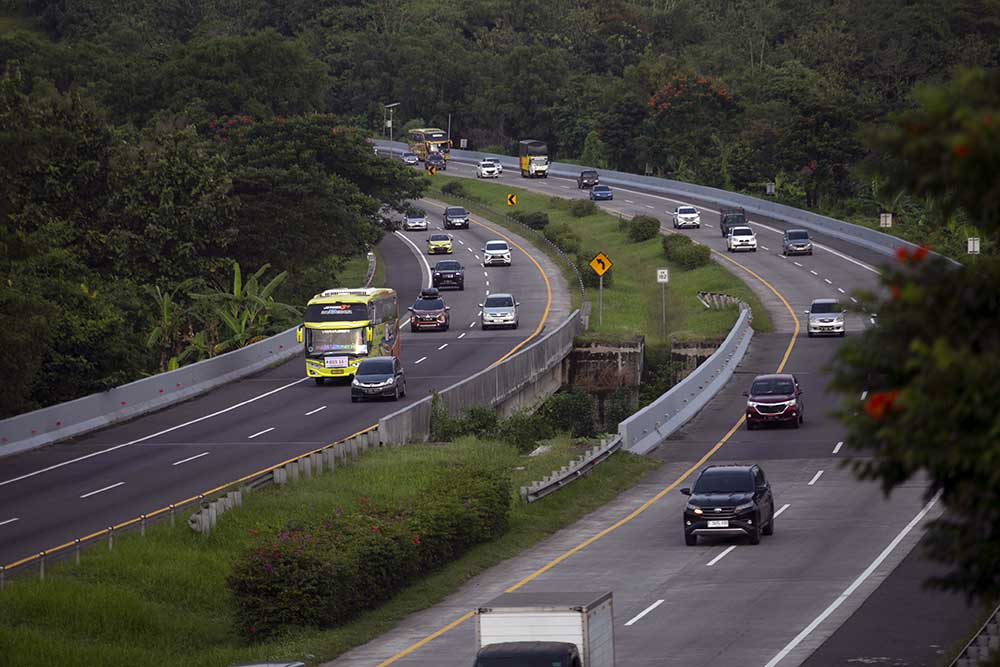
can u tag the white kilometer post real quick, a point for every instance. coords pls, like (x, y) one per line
(663, 277)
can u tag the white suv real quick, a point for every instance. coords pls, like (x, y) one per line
(741, 238)
(487, 169)
(496, 252)
(687, 216)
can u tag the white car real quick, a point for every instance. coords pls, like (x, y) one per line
(487, 169)
(741, 238)
(687, 216)
(496, 162)
(826, 316)
(415, 222)
(496, 252)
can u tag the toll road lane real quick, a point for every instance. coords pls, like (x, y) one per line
(47, 503)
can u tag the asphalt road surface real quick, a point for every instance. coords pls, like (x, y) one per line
(64, 491)
(725, 602)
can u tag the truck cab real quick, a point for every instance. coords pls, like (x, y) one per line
(731, 217)
(529, 654)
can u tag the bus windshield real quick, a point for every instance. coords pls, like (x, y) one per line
(351, 341)
(337, 312)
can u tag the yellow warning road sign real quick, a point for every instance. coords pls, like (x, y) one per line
(601, 263)
(511, 199)
(431, 170)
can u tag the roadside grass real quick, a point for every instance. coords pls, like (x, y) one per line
(632, 301)
(12, 20)
(162, 599)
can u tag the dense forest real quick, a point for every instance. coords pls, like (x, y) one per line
(175, 171)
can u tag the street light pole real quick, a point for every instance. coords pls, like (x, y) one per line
(391, 108)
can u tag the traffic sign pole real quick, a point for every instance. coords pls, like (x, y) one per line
(663, 310)
(600, 300)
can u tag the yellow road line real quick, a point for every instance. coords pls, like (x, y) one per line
(642, 508)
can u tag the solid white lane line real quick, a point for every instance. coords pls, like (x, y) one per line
(107, 488)
(443, 346)
(419, 360)
(841, 290)
(190, 458)
(764, 247)
(147, 437)
(855, 584)
(815, 477)
(828, 281)
(405, 322)
(4, 523)
(813, 272)
(720, 556)
(798, 264)
(644, 612)
(837, 448)
(461, 335)
(312, 412)
(426, 267)
(266, 430)
(652, 208)
(783, 508)
(864, 394)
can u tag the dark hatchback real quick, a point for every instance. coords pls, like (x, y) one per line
(378, 377)
(455, 217)
(774, 399)
(448, 272)
(729, 500)
(796, 242)
(429, 312)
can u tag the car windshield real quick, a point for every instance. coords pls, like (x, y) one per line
(455, 210)
(826, 307)
(429, 304)
(772, 387)
(798, 235)
(486, 163)
(601, 188)
(447, 266)
(440, 237)
(375, 367)
(496, 245)
(409, 155)
(589, 174)
(742, 231)
(499, 302)
(686, 210)
(724, 481)
(492, 160)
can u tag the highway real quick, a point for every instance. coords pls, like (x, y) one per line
(53, 495)
(725, 602)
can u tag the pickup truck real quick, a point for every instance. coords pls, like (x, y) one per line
(527, 629)
(731, 217)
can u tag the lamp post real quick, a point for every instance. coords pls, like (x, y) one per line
(388, 123)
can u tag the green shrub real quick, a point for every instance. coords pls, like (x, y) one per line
(454, 189)
(480, 421)
(534, 219)
(564, 236)
(560, 203)
(672, 241)
(571, 411)
(691, 256)
(581, 208)
(325, 575)
(524, 430)
(643, 228)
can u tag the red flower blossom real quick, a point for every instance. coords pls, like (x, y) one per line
(903, 254)
(960, 150)
(880, 402)
(919, 254)
(896, 292)
(416, 539)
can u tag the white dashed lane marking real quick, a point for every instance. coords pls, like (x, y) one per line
(266, 430)
(4, 523)
(818, 474)
(443, 346)
(190, 458)
(798, 265)
(828, 281)
(837, 448)
(720, 556)
(813, 272)
(419, 360)
(312, 412)
(107, 488)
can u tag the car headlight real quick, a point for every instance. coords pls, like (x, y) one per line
(356, 382)
(694, 509)
(744, 507)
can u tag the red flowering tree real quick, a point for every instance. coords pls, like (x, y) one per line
(675, 133)
(929, 367)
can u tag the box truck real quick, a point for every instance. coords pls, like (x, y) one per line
(546, 630)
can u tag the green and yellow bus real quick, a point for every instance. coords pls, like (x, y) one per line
(429, 140)
(343, 326)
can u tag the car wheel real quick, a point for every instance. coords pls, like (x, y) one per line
(697, 226)
(446, 327)
(843, 333)
(403, 392)
(461, 287)
(515, 325)
(755, 535)
(690, 540)
(769, 528)
(795, 423)
(810, 253)
(395, 393)
(318, 381)
(802, 418)
(809, 333)
(750, 425)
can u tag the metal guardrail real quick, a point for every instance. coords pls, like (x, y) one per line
(660, 419)
(983, 646)
(370, 273)
(212, 502)
(575, 470)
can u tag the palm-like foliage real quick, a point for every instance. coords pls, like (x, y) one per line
(172, 318)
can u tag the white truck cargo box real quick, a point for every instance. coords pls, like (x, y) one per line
(585, 619)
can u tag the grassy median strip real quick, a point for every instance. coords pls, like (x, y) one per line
(162, 599)
(632, 299)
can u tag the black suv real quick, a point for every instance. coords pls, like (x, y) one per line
(729, 500)
(731, 217)
(587, 179)
(448, 272)
(455, 217)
